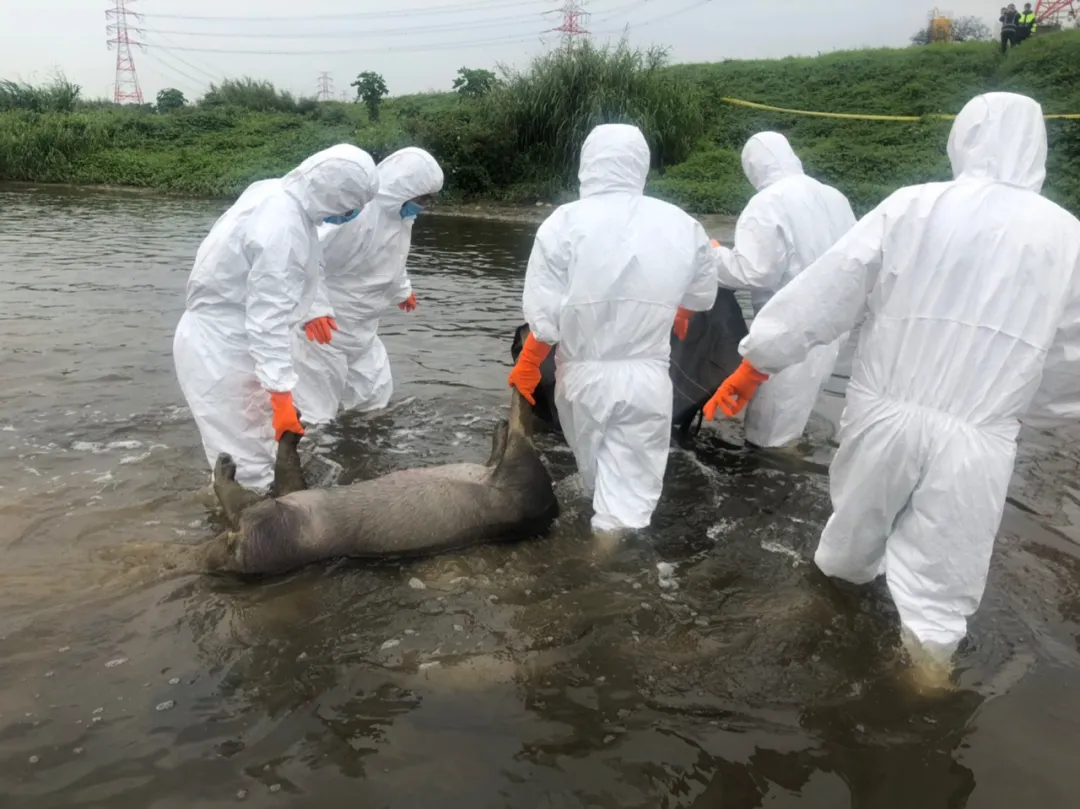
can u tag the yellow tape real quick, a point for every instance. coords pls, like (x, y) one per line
(859, 117)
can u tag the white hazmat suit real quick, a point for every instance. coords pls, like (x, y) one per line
(365, 276)
(787, 225)
(604, 280)
(256, 278)
(970, 292)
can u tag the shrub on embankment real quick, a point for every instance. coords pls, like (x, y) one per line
(519, 142)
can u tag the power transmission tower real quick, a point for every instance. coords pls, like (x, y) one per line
(326, 87)
(1051, 11)
(120, 29)
(573, 14)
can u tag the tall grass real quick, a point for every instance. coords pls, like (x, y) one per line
(523, 139)
(47, 148)
(252, 94)
(551, 107)
(58, 96)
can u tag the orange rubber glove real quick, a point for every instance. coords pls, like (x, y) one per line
(408, 304)
(526, 373)
(285, 418)
(735, 392)
(682, 322)
(321, 329)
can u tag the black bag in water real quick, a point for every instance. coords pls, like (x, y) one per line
(699, 364)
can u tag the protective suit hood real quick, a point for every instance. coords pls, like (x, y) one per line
(614, 159)
(1000, 137)
(768, 158)
(366, 276)
(407, 174)
(331, 182)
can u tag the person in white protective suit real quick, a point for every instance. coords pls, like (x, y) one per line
(971, 293)
(256, 278)
(788, 224)
(605, 281)
(366, 276)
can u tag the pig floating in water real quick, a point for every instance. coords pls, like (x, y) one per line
(708, 356)
(406, 513)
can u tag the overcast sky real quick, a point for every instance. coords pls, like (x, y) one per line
(419, 44)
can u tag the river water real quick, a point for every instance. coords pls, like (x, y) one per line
(700, 666)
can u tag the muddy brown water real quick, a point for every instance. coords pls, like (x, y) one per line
(529, 675)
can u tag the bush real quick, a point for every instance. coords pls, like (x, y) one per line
(170, 100)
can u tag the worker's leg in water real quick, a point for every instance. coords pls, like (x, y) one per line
(582, 426)
(230, 408)
(871, 479)
(369, 383)
(938, 557)
(320, 371)
(633, 452)
(630, 465)
(243, 428)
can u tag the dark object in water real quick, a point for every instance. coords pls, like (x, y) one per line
(699, 364)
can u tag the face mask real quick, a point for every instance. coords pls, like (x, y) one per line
(410, 210)
(341, 219)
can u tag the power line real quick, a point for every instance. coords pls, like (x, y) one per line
(367, 31)
(418, 48)
(158, 51)
(362, 32)
(422, 47)
(169, 73)
(675, 13)
(180, 71)
(455, 8)
(628, 8)
(214, 69)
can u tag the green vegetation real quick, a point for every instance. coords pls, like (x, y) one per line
(515, 137)
(371, 89)
(473, 83)
(870, 159)
(60, 96)
(521, 139)
(254, 96)
(170, 100)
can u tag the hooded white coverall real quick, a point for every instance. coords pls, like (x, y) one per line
(256, 277)
(972, 303)
(787, 225)
(365, 276)
(604, 280)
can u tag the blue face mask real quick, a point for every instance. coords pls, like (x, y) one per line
(410, 210)
(341, 219)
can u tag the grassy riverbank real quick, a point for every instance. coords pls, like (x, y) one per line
(518, 143)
